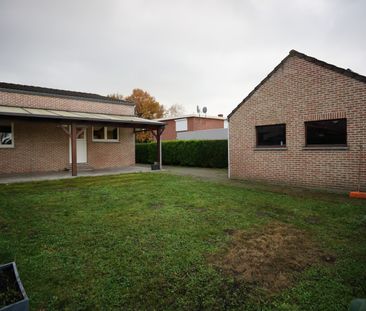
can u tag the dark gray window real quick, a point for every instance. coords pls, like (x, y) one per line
(98, 132)
(6, 135)
(271, 135)
(326, 132)
(112, 133)
(105, 134)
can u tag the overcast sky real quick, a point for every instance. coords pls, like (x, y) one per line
(191, 52)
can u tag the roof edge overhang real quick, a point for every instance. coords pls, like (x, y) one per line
(49, 92)
(191, 116)
(130, 121)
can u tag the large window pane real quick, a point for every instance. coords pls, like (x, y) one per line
(271, 135)
(6, 135)
(98, 132)
(112, 133)
(326, 132)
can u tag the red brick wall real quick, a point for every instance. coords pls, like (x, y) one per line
(193, 124)
(196, 124)
(300, 91)
(60, 103)
(45, 147)
(112, 154)
(169, 132)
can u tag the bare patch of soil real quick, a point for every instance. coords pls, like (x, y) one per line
(270, 257)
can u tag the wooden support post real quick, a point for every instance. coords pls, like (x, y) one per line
(74, 168)
(159, 157)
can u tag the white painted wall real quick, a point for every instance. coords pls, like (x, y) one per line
(181, 125)
(204, 134)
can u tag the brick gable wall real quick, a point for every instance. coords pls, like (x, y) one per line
(300, 91)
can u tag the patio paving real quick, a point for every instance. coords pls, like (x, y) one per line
(16, 178)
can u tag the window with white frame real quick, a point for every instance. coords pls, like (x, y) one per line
(105, 134)
(6, 135)
(181, 125)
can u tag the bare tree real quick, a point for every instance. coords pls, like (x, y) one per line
(175, 110)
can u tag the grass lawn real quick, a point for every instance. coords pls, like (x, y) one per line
(146, 242)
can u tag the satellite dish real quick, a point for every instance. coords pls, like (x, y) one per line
(204, 110)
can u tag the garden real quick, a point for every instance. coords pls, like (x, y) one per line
(157, 241)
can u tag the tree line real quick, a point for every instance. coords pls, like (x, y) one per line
(148, 107)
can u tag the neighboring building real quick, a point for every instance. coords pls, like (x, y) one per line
(184, 127)
(44, 129)
(212, 134)
(302, 125)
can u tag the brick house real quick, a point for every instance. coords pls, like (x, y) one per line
(44, 129)
(304, 124)
(175, 126)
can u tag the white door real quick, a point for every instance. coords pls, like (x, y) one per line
(81, 155)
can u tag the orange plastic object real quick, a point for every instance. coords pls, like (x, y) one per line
(357, 194)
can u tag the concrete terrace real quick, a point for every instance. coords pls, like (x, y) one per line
(16, 178)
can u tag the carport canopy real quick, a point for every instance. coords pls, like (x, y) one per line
(74, 118)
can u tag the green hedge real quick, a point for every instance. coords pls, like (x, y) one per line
(200, 153)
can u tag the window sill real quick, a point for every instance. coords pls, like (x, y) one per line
(270, 148)
(330, 148)
(7, 146)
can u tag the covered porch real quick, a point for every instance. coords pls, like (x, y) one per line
(73, 127)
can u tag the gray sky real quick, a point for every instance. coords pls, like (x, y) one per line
(205, 52)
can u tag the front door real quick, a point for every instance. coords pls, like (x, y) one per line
(81, 147)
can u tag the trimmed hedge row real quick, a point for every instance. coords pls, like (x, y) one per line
(200, 153)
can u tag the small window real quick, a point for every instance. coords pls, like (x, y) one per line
(98, 133)
(326, 132)
(271, 135)
(181, 125)
(105, 134)
(6, 135)
(112, 133)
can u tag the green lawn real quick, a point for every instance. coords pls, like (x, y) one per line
(142, 242)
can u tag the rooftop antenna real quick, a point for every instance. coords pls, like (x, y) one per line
(204, 110)
(198, 110)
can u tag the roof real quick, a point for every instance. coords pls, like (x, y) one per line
(63, 115)
(346, 72)
(191, 116)
(37, 90)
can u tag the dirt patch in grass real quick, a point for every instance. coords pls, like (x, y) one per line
(270, 257)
